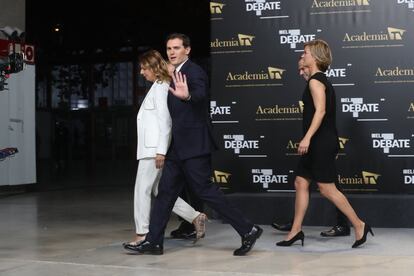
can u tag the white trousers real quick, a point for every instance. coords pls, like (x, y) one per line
(146, 183)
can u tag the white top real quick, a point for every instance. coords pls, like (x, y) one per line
(154, 122)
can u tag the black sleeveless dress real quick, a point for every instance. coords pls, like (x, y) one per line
(319, 163)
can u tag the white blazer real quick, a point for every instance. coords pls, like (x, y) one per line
(154, 122)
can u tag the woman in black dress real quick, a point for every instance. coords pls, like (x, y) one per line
(319, 146)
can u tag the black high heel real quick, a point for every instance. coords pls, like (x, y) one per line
(362, 240)
(298, 236)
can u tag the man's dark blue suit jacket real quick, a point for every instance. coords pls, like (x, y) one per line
(191, 126)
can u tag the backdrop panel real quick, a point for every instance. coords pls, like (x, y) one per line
(256, 90)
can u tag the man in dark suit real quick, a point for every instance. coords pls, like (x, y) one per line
(188, 160)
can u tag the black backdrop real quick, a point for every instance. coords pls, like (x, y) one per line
(256, 90)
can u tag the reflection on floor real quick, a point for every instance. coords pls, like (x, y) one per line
(80, 231)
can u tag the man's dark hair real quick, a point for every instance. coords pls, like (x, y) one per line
(183, 37)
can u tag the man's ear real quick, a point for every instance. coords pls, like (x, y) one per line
(188, 50)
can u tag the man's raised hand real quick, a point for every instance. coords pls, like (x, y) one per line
(181, 87)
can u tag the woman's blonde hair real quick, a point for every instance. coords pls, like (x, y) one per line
(321, 52)
(153, 60)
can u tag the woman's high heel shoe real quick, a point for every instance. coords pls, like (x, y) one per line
(362, 240)
(298, 236)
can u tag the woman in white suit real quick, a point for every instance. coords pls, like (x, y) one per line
(154, 134)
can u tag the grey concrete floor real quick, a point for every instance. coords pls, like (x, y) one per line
(80, 231)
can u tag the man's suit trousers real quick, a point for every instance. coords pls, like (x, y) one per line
(195, 172)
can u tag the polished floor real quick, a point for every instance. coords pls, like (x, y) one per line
(80, 231)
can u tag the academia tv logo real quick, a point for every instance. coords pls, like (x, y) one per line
(266, 177)
(339, 6)
(338, 3)
(387, 141)
(262, 7)
(279, 112)
(365, 178)
(411, 111)
(238, 143)
(395, 74)
(408, 176)
(220, 177)
(216, 8)
(241, 44)
(292, 146)
(342, 142)
(294, 38)
(357, 106)
(272, 76)
(390, 37)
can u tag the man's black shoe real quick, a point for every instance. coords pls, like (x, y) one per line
(248, 241)
(190, 236)
(286, 227)
(145, 247)
(184, 231)
(337, 231)
(184, 235)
